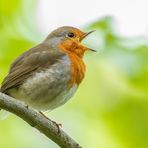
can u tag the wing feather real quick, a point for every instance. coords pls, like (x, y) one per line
(29, 62)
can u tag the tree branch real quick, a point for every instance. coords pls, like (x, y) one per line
(38, 121)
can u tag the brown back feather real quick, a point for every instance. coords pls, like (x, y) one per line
(29, 62)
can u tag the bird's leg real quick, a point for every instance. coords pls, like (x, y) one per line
(58, 125)
(44, 115)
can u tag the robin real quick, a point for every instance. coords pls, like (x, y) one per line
(47, 75)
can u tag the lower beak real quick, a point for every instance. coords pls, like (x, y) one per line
(84, 36)
(91, 49)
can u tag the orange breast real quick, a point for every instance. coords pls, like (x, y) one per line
(77, 69)
(77, 64)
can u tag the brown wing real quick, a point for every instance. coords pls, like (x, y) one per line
(29, 62)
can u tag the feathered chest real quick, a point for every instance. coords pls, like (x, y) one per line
(77, 69)
(77, 66)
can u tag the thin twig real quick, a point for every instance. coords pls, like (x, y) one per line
(38, 121)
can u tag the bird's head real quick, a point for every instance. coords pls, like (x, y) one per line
(69, 39)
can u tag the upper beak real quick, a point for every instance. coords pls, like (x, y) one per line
(84, 36)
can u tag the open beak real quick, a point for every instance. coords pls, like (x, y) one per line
(84, 36)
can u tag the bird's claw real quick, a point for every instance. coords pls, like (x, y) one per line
(58, 125)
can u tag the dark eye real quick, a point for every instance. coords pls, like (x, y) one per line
(71, 34)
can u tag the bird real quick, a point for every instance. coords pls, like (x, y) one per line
(48, 75)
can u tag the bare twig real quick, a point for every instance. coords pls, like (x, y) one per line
(38, 121)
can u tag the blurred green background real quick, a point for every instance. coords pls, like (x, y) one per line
(110, 109)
